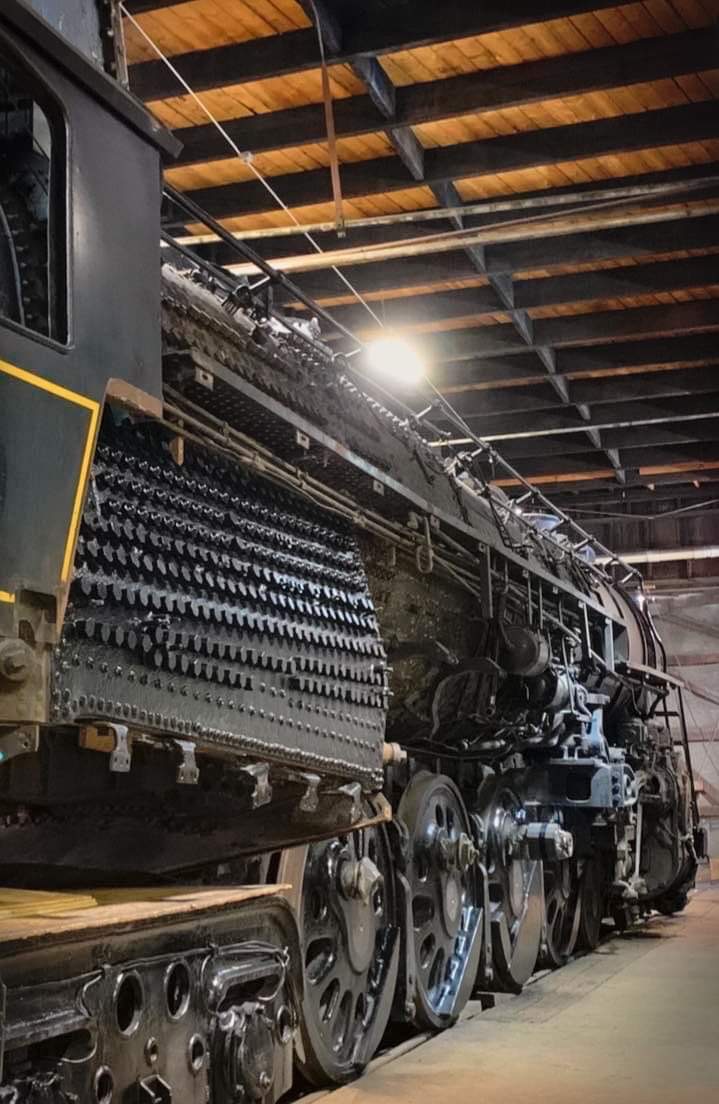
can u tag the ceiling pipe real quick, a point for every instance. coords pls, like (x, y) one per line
(542, 226)
(667, 555)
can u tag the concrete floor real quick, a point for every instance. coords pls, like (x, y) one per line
(636, 1022)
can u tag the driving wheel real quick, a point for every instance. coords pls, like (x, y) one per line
(591, 904)
(444, 891)
(343, 896)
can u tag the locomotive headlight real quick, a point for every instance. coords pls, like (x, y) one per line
(395, 360)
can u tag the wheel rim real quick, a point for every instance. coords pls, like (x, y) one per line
(561, 913)
(515, 891)
(346, 914)
(444, 897)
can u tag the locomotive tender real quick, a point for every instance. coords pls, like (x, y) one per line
(304, 728)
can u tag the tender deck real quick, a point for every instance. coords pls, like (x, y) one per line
(30, 918)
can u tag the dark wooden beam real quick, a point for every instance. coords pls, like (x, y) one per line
(699, 384)
(663, 435)
(492, 89)
(401, 24)
(604, 245)
(632, 354)
(690, 317)
(383, 30)
(625, 388)
(139, 7)
(273, 56)
(633, 280)
(600, 327)
(641, 498)
(668, 434)
(382, 93)
(618, 283)
(641, 459)
(508, 424)
(644, 130)
(505, 367)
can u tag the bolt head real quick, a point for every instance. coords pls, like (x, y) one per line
(16, 660)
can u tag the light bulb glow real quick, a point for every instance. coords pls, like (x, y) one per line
(395, 361)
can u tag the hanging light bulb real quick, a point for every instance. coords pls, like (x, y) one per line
(394, 360)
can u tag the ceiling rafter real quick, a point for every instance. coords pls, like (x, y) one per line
(386, 29)
(581, 330)
(643, 130)
(383, 94)
(533, 395)
(413, 309)
(430, 101)
(599, 360)
(523, 425)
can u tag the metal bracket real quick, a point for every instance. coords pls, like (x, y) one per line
(262, 792)
(19, 741)
(121, 755)
(204, 378)
(353, 791)
(310, 799)
(188, 773)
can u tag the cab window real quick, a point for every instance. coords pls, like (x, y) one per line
(33, 284)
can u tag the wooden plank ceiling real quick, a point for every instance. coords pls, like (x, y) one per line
(587, 349)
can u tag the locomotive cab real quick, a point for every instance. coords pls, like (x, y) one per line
(80, 180)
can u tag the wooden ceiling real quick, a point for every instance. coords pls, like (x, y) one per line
(587, 348)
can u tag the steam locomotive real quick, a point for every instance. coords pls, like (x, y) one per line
(305, 727)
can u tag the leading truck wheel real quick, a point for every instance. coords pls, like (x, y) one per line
(562, 913)
(592, 904)
(515, 888)
(343, 896)
(445, 897)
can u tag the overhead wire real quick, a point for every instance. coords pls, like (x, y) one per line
(245, 157)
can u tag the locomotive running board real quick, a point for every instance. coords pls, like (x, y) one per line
(32, 918)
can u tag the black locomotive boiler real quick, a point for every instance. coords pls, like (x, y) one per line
(305, 728)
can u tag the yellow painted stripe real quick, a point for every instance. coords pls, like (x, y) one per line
(6, 596)
(94, 408)
(79, 494)
(48, 385)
